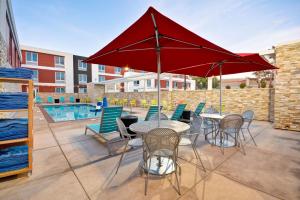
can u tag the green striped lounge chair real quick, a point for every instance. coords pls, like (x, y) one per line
(72, 99)
(178, 111)
(38, 99)
(107, 129)
(152, 110)
(199, 108)
(50, 99)
(61, 99)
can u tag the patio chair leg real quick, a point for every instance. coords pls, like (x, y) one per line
(177, 182)
(85, 131)
(241, 144)
(147, 177)
(243, 134)
(121, 157)
(198, 157)
(251, 136)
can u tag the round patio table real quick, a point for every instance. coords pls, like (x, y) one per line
(215, 118)
(160, 165)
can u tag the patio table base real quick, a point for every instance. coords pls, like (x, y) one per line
(217, 142)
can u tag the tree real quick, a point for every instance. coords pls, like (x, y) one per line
(215, 82)
(227, 87)
(201, 83)
(242, 85)
(264, 76)
(263, 84)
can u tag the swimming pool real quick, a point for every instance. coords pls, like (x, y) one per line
(70, 112)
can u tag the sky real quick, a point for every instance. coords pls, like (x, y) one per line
(83, 27)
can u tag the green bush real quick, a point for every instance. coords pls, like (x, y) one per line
(263, 84)
(227, 87)
(242, 85)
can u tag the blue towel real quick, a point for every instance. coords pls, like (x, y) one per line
(13, 158)
(13, 129)
(10, 100)
(15, 73)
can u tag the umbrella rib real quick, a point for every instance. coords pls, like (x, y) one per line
(199, 46)
(118, 49)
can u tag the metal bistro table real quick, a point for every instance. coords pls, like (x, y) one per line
(160, 165)
(215, 118)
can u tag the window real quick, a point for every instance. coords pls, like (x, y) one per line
(82, 78)
(148, 83)
(31, 57)
(101, 78)
(59, 61)
(82, 90)
(167, 84)
(59, 76)
(101, 68)
(60, 90)
(175, 84)
(117, 70)
(82, 65)
(136, 83)
(35, 76)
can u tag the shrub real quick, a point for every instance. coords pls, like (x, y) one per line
(242, 85)
(227, 87)
(263, 84)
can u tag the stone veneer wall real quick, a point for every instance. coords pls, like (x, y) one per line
(287, 87)
(234, 100)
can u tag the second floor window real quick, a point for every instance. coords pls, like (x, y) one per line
(59, 76)
(136, 83)
(82, 78)
(101, 78)
(59, 61)
(148, 83)
(60, 90)
(118, 70)
(82, 65)
(35, 75)
(101, 68)
(82, 90)
(31, 57)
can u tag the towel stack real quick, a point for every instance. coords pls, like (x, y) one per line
(15, 73)
(13, 129)
(13, 158)
(10, 100)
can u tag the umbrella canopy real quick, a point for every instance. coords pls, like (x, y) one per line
(247, 62)
(179, 48)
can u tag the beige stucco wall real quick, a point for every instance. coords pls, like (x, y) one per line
(234, 100)
(287, 87)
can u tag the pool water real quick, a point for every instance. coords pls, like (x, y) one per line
(69, 112)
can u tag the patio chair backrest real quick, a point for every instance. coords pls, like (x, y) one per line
(248, 116)
(38, 99)
(199, 108)
(122, 129)
(152, 110)
(108, 119)
(154, 117)
(178, 111)
(231, 123)
(161, 139)
(72, 99)
(50, 99)
(62, 99)
(196, 124)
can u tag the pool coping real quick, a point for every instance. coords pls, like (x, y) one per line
(50, 120)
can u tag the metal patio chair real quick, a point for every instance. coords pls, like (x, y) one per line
(248, 117)
(190, 138)
(161, 142)
(230, 126)
(128, 138)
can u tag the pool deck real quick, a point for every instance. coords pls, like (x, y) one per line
(70, 165)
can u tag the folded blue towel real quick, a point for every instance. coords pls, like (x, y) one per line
(16, 73)
(13, 100)
(13, 129)
(13, 158)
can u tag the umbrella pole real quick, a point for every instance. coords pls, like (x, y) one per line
(158, 85)
(220, 89)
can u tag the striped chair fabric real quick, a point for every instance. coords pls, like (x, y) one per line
(199, 108)
(178, 111)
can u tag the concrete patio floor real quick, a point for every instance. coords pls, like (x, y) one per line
(70, 165)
